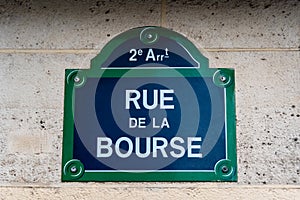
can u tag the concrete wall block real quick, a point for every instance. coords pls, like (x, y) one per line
(32, 131)
(153, 191)
(237, 24)
(32, 149)
(268, 114)
(71, 24)
(263, 78)
(19, 168)
(214, 24)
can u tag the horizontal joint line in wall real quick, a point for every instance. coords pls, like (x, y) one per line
(181, 185)
(250, 49)
(95, 51)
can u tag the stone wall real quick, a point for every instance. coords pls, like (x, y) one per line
(40, 39)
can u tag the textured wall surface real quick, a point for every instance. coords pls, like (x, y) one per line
(39, 40)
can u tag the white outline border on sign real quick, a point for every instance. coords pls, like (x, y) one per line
(145, 67)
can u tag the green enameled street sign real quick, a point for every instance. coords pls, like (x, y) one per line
(149, 109)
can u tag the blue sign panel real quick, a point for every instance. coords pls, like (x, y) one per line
(149, 109)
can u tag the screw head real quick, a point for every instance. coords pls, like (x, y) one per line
(225, 169)
(223, 78)
(149, 36)
(76, 79)
(73, 169)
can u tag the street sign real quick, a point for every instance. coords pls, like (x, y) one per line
(149, 109)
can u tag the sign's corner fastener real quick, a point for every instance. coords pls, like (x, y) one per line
(73, 169)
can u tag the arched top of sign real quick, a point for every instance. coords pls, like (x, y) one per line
(149, 47)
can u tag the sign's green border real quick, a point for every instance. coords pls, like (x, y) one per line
(73, 170)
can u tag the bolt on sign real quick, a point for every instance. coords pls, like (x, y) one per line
(149, 109)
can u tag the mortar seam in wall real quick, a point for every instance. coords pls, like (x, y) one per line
(163, 13)
(96, 51)
(162, 186)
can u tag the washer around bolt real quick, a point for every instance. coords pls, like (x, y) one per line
(73, 169)
(149, 35)
(223, 78)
